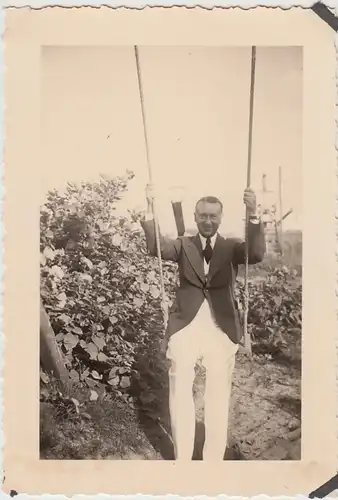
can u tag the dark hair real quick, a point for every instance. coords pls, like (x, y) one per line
(209, 199)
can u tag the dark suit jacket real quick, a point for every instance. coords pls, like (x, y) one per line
(217, 287)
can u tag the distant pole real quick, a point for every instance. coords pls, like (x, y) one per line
(263, 191)
(266, 225)
(280, 210)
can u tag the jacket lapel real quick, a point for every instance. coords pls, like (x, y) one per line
(194, 253)
(217, 257)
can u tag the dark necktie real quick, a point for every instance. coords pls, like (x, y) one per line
(207, 253)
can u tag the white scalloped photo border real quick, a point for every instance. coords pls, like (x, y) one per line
(115, 4)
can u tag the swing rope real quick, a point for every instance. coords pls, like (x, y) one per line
(164, 303)
(247, 338)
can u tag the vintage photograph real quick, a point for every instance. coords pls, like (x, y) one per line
(169, 296)
(171, 256)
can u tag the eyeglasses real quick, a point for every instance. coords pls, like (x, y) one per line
(204, 217)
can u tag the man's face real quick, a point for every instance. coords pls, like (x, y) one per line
(208, 217)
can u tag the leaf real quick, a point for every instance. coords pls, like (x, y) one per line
(116, 240)
(86, 415)
(62, 296)
(102, 357)
(57, 272)
(113, 372)
(96, 375)
(278, 300)
(48, 253)
(93, 396)
(44, 377)
(106, 310)
(44, 393)
(151, 275)
(103, 226)
(87, 262)
(64, 318)
(101, 299)
(125, 382)
(76, 404)
(91, 383)
(85, 277)
(154, 292)
(145, 287)
(70, 341)
(92, 350)
(114, 382)
(43, 260)
(134, 227)
(77, 330)
(138, 302)
(113, 320)
(99, 342)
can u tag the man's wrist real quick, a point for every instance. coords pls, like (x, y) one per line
(149, 212)
(148, 216)
(254, 218)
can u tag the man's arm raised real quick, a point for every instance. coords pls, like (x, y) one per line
(170, 248)
(256, 240)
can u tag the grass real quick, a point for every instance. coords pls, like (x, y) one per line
(105, 430)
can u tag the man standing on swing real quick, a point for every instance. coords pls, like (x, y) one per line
(204, 320)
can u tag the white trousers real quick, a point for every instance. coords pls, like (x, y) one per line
(200, 339)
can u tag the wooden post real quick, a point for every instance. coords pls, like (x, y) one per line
(176, 203)
(50, 354)
(178, 215)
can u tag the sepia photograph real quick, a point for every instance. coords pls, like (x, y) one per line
(171, 256)
(169, 297)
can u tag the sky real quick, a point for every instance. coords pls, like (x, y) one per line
(196, 103)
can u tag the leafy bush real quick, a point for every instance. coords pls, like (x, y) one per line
(98, 284)
(275, 307)
(101, 290)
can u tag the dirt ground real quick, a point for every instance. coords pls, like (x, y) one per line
(264, 421)
(265, 410)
